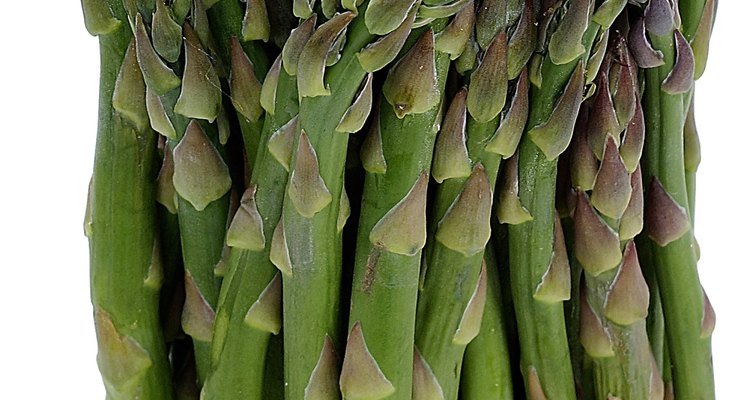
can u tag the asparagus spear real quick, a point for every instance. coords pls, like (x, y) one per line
(392, 228)
(250, 302)
(125, 269)
(308, 235)
(486, 371)
(687, 313)
(467, 159)
(201, 176)
(250, 25)
(545, 360)
(616, 298)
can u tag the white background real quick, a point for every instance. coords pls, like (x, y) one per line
(48, 102)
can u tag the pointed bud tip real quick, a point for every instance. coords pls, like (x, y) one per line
(200, 175)
(665, 219)
(403, 229)
(361, 376)
(465, 227)
(596, 245)
(306, 188)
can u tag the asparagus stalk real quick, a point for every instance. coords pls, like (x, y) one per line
(172, 291)
(125, 269)
(616, 299)
(248, 309)
(250, 25)
(486, 371)
(545, 360)
(467, 159)
(309, 240)
(201, 176)
(250, 301)
(687, 313)
(396, 155)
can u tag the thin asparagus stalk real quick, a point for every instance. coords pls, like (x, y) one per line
(545, 360)
(396, 155)
(692, 150)
(616, 299)
(168, 229)
(125, 269)
(201, 177)
(250, 25)
(486, 371)
(467, 159)
(579, 172)
(250, 301)
(687, 313)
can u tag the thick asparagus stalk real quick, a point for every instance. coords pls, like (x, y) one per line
(687, 313)
(125, 269)
(308, 233)
(396, 154)
(545, 360)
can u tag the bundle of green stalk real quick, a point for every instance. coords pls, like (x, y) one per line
(398, 199)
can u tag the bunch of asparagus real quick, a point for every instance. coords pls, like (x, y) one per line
(398, 199)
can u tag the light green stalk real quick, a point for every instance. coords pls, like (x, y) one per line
(125, 269)
(310, 220)
(486, 371)
(688, 318)
(240, 338)
(396, 155)
(250, 298)
(545, 359)
(467, 159)
(202, 236)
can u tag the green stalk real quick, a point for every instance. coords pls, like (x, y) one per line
(388, 255)
(453, 289)
(125, 277)
(202, 239)
(679, 287)
(201, 176)
(486, 372)
(545, 359)
(226, 21)
(615, 306)
(202, 234)
(692, 156)
(311, 292)
(573, 310)
(226, 17)
(691, 12)
(441, 316)
(627, 373)
(240, 344)
(172, 291)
